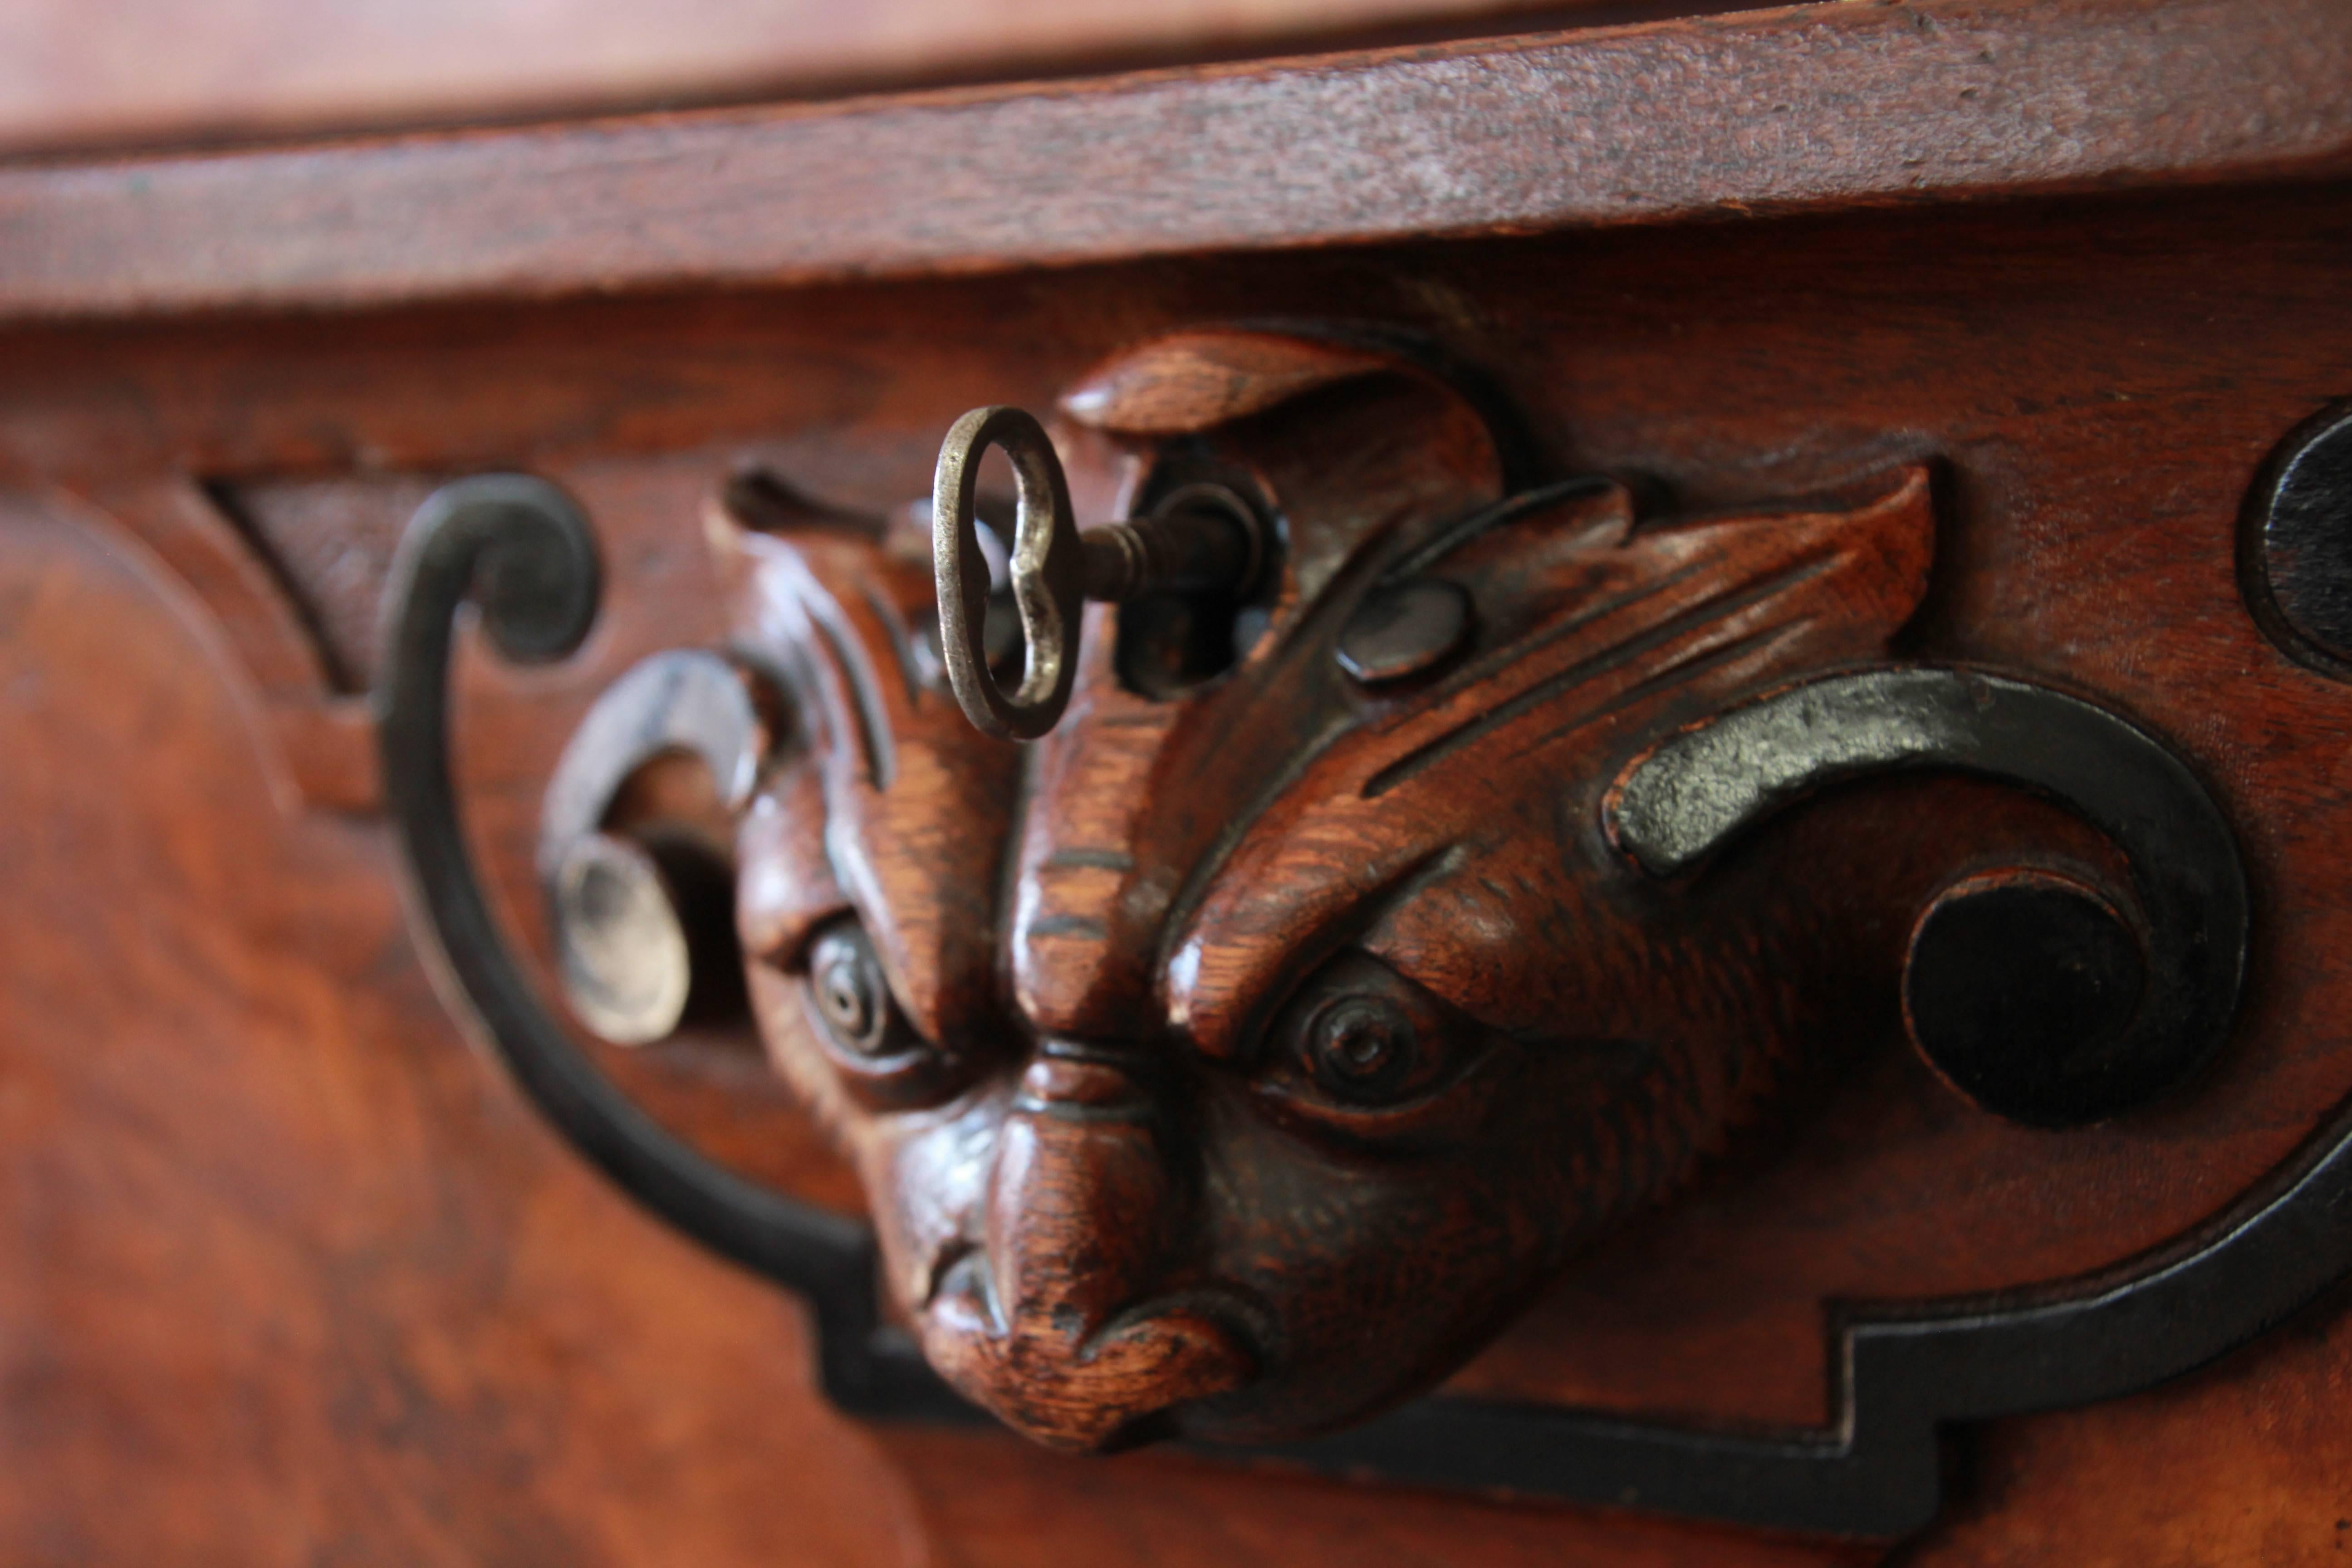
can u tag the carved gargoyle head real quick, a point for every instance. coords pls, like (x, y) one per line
(1235, 1059)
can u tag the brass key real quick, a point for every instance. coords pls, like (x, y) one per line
(1199, 539)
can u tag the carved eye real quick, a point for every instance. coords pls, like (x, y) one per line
(852, 996)
(1362, 1050)
(877, 1049)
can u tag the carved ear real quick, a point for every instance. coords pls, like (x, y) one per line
(2030, 993)
(1188, 382)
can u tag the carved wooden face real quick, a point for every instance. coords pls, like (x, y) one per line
(1235, 1062)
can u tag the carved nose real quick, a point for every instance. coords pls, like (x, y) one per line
(1083, 1200)
(1084, 1209)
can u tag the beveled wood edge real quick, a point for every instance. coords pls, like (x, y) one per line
(180, 75)
(1814, 108)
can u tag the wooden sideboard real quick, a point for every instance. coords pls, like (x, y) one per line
(296, 1271)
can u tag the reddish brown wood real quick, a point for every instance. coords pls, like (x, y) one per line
(297, 1276)
(1747, 115)
(293, 1278)
(324, 738)
(177, 71)
(1190, 381)
(2240, 1465)
(252, 1115)
(1143, 1189)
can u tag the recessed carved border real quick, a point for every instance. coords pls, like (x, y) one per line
(1904, 1373)
(320, 724)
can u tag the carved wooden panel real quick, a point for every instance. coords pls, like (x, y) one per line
(1658, 1138)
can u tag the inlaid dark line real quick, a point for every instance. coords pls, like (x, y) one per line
(1089, 859)
(873, 719)
(1067, 925)
(1481, 670)
(1686, 669)
(902, 639)
(1554, 686)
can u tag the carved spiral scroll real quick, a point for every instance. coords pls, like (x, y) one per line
(641, 928)
(518, 549)
(1700, 789)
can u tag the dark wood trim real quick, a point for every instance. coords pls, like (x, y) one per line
(1812, 108)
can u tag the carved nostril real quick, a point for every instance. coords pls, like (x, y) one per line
(1062, 1320)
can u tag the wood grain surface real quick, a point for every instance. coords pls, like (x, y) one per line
(295, 1278)
(1808, 109)
(177, 72)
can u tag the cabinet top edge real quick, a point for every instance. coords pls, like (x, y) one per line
(1815, 108)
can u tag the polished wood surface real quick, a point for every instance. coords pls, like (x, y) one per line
(1139, 1188)
(295, 1277)
(1806, 109)
(299, 1277)
(337, 1152)
(176, 72)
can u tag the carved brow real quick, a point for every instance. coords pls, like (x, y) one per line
(1383, 898)
(1366, 910)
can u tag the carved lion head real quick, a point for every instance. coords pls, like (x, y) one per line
(1235, 1059)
